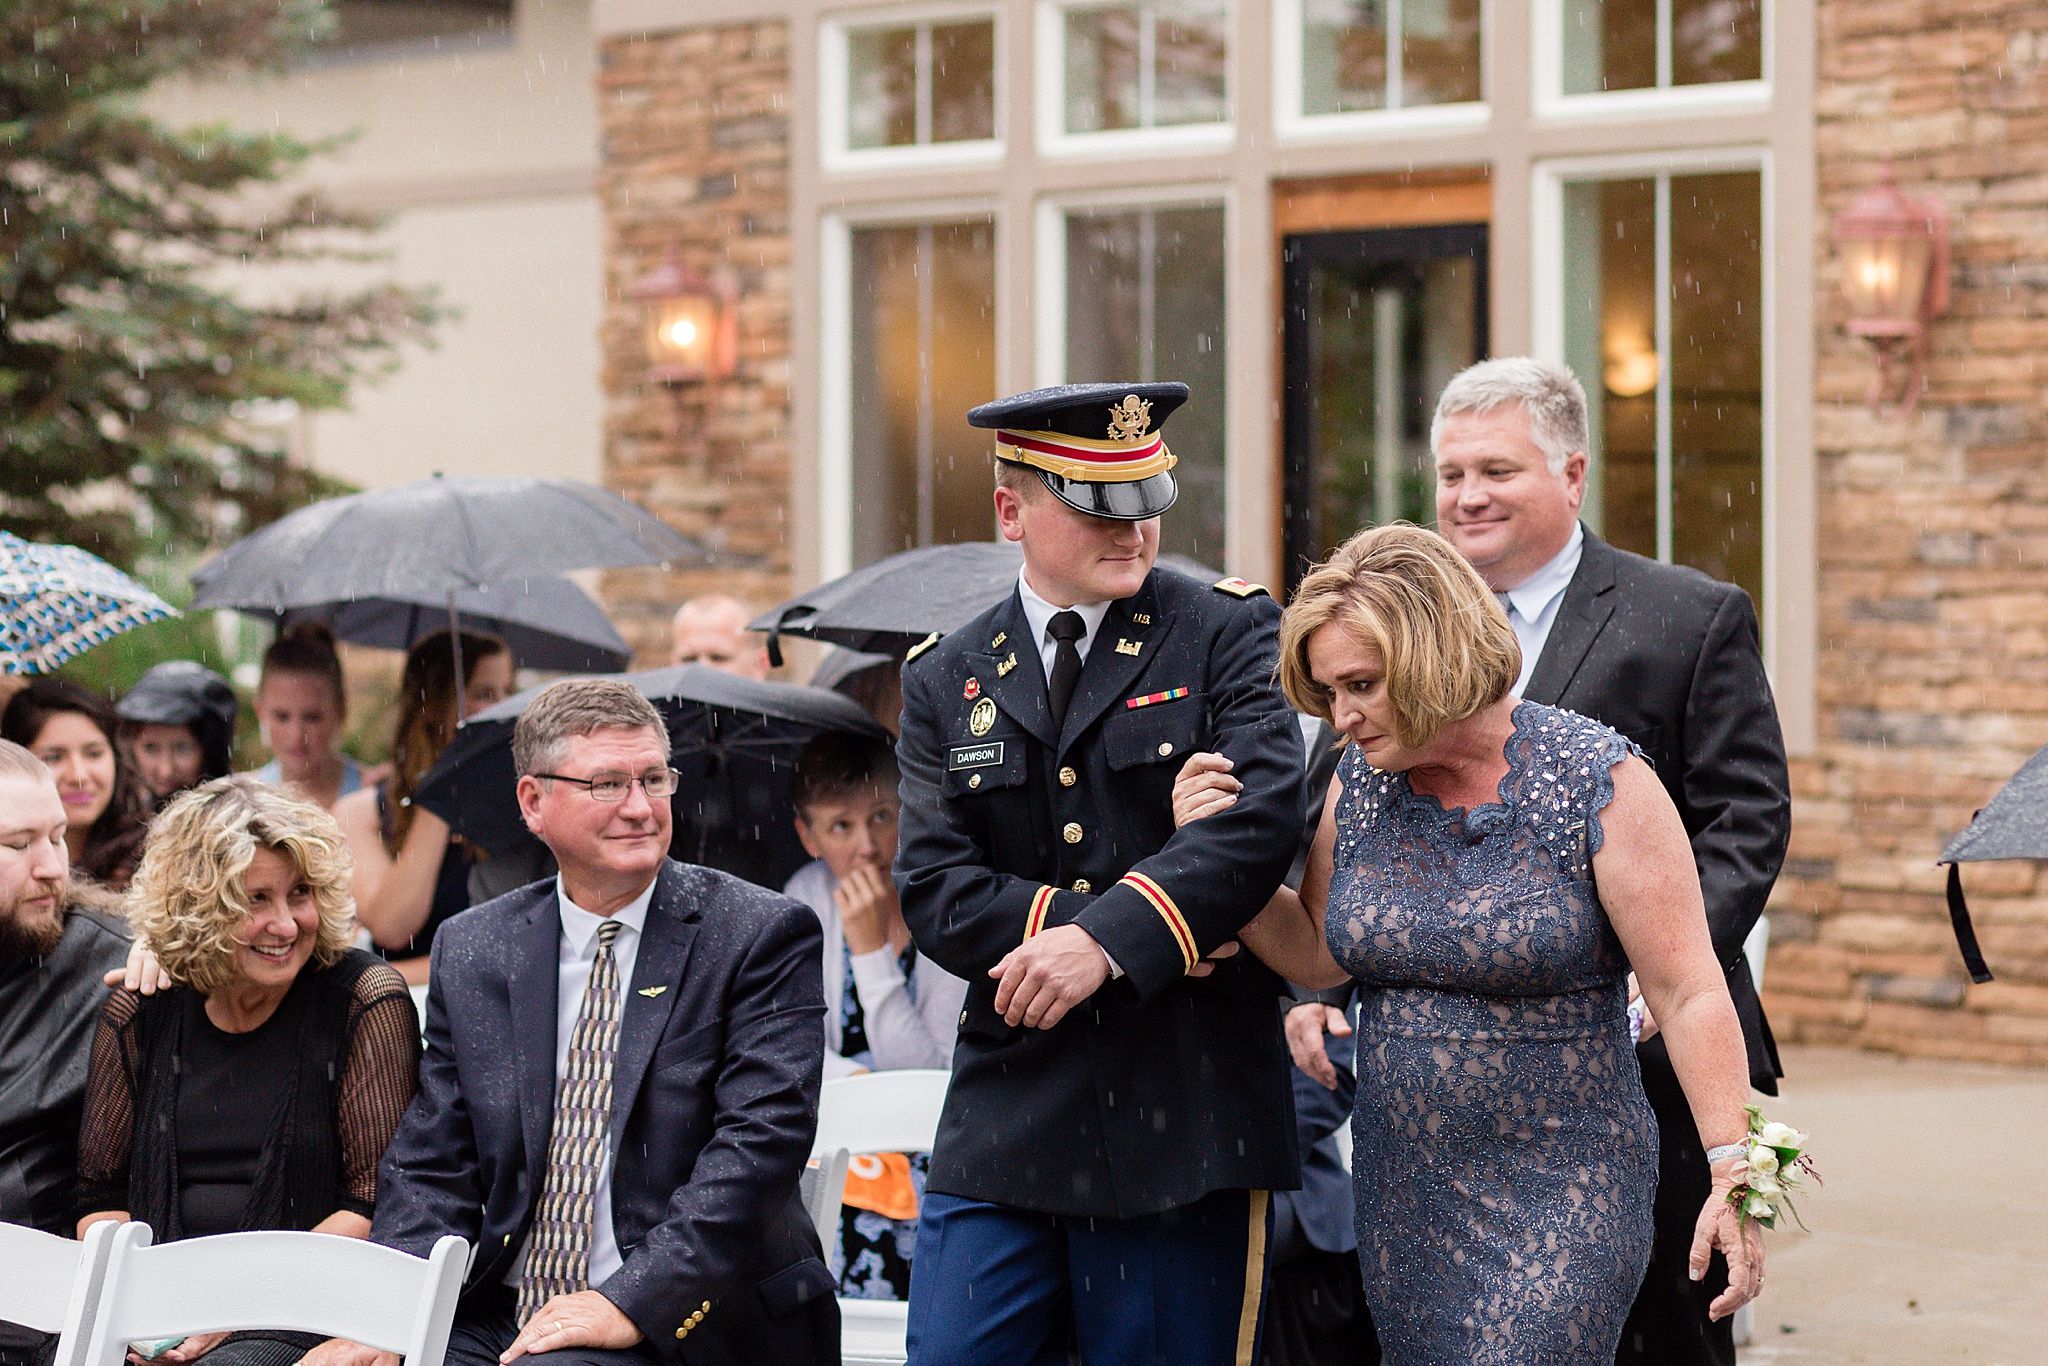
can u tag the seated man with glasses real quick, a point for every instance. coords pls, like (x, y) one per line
(620, 1084)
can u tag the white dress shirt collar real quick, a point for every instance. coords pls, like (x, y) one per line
(1039, 612)
(579, 926)
(1532, 597)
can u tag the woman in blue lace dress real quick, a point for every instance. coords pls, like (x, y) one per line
(1490, 870)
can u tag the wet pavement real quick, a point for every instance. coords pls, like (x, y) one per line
(1929, 1241)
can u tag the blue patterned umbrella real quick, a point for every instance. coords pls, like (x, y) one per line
(57, 602)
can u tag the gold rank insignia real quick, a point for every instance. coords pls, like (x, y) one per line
(982, 719)
(1142, 618)
(1126, 647)
(1129, 419)
(921, 647)
(1003, 669)
(997, 643)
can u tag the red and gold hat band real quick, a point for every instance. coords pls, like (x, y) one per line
(1091, 461)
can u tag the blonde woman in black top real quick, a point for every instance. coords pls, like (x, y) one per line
(260, 1090)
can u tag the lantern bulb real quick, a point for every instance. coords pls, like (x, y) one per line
(682, 332)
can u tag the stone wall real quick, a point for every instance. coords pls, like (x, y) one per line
(1933, 543)
(695, 159)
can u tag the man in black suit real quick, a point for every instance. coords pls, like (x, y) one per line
(1668, 657)
(1119, 1109)
(620, 1085)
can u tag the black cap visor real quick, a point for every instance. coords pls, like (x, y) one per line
(1131, 501)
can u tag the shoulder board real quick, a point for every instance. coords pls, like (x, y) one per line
(921, 647)
(1238, 588)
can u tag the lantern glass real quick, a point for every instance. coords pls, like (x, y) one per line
(682, 333)
(1885, 277)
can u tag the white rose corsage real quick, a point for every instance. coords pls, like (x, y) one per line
(1774, 1168)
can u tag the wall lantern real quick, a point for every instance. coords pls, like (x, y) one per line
(692, 324)
(1895, 269)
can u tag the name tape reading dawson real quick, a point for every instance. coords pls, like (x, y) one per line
(1170, 695)
(975, 756)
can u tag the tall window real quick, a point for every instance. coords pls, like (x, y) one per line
(922, 323)
(1663, 321)
(1145, 301)
(1659, 44)
(1156, 64)
(1388, 54)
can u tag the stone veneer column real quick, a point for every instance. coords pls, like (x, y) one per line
(695, 158)
(1933, 544)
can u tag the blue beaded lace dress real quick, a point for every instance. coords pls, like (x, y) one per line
(1505, 1158)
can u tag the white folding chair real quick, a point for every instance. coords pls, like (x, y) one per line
(53, 1284)
(292, 1282)
(822, 1186)
(878, 1112)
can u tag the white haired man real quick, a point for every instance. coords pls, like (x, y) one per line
(1668, 657)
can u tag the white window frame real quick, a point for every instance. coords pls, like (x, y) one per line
(833, 152)
(1547, 315)
(835, 354)
(1049, 78)
(1291, 122)
(1547, 55)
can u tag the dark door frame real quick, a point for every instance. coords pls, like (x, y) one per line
(1300, 255)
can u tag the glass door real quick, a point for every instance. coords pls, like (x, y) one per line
(1377, 323)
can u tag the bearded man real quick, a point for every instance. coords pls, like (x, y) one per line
(54, 955)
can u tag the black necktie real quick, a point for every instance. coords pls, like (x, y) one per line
(1065, 627)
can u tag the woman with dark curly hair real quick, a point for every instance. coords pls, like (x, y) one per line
(260, 1090)
(73, 730)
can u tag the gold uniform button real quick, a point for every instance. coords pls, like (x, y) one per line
(1165, 749)
(974, 780)
(1082, 884)
(1072, 834)
(1068, 777)
(707, 1306)
(682, 1333)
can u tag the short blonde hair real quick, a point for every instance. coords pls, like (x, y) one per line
(187, 898)
(1448, 650)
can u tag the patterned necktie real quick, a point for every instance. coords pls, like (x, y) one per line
(1066, 627)
(558, 1254)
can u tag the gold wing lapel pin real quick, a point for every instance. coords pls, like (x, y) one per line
(652, 991)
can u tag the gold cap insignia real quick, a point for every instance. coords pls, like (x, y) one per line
(1129, 419)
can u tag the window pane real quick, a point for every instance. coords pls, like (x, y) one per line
(1145, 302)
(1611, 288)
(1716, 40)
(1609, 45)
(1343, 56)
(922, 354)
(1717, 378)
(881, 87)
(963, 81)
(1192, 42)
(1146, 66)
(1102, 69)
(1439, 52)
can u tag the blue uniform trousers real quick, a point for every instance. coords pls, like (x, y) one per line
(996, 1286)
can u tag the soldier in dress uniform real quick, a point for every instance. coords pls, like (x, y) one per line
(1120, 1105)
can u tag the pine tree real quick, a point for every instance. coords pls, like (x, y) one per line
(127, 367)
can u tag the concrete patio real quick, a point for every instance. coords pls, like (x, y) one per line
(1929, 1242)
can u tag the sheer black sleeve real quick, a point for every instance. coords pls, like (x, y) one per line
(107, 1133)
(377, 1081)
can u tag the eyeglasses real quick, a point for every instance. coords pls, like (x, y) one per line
(659, 783)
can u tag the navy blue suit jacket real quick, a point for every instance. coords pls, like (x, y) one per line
(714, 1107)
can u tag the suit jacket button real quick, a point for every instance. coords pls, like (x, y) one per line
(1068, 777)
(963, 1017)
(1072, 833)
(1165, 749)
(1082, 884)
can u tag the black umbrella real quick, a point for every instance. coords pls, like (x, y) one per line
(2014, 824)
(435, 538)
(547, 623)
(733, 739)
(890, 605)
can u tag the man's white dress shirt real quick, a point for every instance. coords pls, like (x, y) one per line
(1532, 604)
(576, 956)
(1040, 613)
